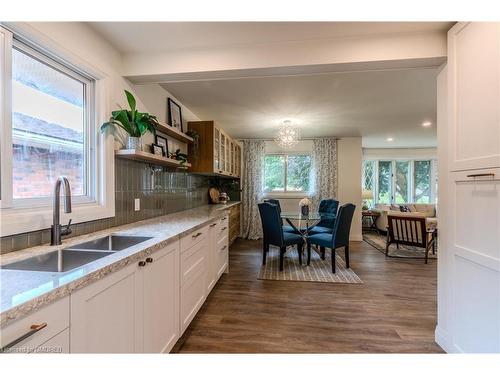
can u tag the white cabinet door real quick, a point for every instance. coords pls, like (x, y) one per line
(193, 282)
(160, 300)
(211, 255)
(475, 243)
(103, 314)
(474, 96)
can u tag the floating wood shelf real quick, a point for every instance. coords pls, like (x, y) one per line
(150, 158)
(174, 133)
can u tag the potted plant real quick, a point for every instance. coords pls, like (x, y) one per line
(178, 155)
(135, 123)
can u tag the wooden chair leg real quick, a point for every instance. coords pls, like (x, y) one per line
(323, 251)
(299, 250)
(308, 253)
(282, 256)
(387, 248)
(426, 253)
(346, 252)
(265, 249)
(334, 262)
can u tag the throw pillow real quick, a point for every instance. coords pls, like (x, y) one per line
(403, 208)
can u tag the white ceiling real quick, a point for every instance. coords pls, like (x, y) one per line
(135, 37)
(372, 104)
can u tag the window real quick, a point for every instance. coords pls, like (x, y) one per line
(288, 173)
(50, 126)
(401, 181)
(48, 129)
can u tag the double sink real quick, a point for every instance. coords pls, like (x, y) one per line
(77, 255)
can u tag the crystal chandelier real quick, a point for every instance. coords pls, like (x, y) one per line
(288, 135)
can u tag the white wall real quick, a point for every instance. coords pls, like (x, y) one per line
(349, 162)
(400, 153)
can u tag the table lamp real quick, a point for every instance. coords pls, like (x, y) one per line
(366, 195)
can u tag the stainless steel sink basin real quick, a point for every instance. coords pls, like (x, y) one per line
(57, 261)
(76, 255)
(110, 243)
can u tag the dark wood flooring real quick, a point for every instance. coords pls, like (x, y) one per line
(394, 311)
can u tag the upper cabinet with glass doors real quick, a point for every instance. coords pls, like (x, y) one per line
(216, 152)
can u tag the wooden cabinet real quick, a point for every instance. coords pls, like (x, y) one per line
(47, 326)
(132, 310)
(234, 223)
(217, 153)
(474, 96)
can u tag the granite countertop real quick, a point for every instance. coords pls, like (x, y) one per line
(25, 291)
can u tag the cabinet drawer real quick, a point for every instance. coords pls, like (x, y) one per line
(58, 344)
(223, 230)
(55, 318)
(193, 238)
(193, 262)
(222, 257)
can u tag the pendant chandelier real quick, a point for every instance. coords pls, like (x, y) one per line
(288, 135)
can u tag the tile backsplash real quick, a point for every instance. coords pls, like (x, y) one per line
(161, 191)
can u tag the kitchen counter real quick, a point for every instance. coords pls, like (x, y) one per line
(22, 292)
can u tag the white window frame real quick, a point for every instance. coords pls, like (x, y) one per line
(20, 217)
(285, 193)
(411, 181)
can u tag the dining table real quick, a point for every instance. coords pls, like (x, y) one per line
(304, 222)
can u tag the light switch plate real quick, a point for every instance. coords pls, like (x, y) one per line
(137, 204)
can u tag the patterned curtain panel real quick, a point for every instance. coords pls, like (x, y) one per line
(253, 161)
(324, 170)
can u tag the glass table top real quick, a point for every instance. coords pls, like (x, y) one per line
(296, 215)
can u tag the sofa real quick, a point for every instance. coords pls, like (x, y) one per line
(413, 209)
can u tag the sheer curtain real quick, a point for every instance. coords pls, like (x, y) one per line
(324, 170)
(253, 168)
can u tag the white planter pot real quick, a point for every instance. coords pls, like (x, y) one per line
(134, 143)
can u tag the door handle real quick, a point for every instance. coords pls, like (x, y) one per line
(481, 175)
(33, 329)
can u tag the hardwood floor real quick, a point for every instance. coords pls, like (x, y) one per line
(394, 311)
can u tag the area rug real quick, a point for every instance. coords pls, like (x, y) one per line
(378, 241)
(318, 271)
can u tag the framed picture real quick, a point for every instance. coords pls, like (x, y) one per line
(163, 142)
(157, 150)
(174, 115)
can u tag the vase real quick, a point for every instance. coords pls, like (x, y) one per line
(134, 143)
(304, 210)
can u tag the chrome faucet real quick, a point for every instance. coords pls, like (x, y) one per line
(57, 231)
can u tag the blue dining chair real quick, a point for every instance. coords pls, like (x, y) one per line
(339, 237)
(272, 227)
(286, 228)
(328, 207)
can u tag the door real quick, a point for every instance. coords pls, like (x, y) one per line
(211, 256)
(160, 300)
(103, 314)
(222, 156)
(216, 149)
(474, 96)
(475, 244)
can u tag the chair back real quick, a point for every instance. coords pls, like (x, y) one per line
(407, 230)
(330, 207)
(272, 226)
(342, 227)
(274, 201)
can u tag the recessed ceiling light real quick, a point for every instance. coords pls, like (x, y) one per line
(426, 124)
(390, 139)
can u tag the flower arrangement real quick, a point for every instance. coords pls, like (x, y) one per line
(304, 205)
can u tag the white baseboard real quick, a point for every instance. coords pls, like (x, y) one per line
(444, 340)
(356, 238)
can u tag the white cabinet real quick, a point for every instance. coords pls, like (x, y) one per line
(213, 230)
(104, 314)
(474, 96)
(193, 282)
(132, 310)
(43, 331)
(160, 300)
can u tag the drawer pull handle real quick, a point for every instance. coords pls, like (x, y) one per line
(223, 248)
(149, 260)
(224, 228)
(213, 225)
(33, 329)
(224, 218)
(142, 263)
(481, 175)
(196, 235)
